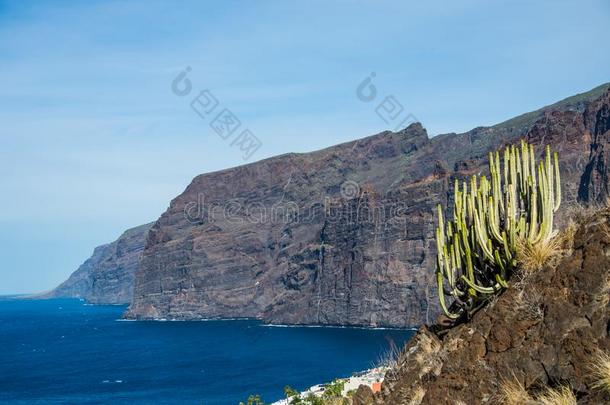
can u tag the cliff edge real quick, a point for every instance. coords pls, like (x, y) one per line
(107, 277)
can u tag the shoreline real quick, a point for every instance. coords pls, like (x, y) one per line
(370, 377)
(262, 323)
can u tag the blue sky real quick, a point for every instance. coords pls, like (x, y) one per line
(93, 141)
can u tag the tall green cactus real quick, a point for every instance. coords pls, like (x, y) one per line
(477, 250)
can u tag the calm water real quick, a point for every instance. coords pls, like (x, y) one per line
(62, 351)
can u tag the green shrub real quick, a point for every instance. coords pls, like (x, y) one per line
(334, 389)
(253, 400)
(331, 391)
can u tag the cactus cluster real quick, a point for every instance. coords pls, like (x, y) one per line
(477, 249)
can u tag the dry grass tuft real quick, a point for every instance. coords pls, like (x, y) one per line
(602, 298)
(558, 396)
(601, 370)
(534, 256)
(512, 392)
(566, 237)
(529, 303)
(389, 358)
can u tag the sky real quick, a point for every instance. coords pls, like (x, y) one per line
(95, 139)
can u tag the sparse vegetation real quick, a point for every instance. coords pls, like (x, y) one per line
(601, 370)
(529, 303)
(579, 213)
(334, 389)
(512, 392)
(332, 394)
(566, 237)
(557, 396)
(531, 257)
(477, 250)
(389, 357)
(291, 392)
(602, 298)
(253, 400)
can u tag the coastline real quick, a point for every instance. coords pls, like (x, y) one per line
(372, 378)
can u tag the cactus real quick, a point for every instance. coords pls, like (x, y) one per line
(476, 251)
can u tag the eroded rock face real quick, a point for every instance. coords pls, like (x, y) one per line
(344, 235)
(543, 331)
(107, 277)
(595, 183)
(324, 251)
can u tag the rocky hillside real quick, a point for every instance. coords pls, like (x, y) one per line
(544, 331)
(107, 277)
(343, 235)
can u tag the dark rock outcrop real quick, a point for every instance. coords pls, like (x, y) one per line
(363, 396)
(107, 277)
(312, 238)
(343, 235)
(543, 331)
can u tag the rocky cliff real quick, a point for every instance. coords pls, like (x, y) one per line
(545, 331)
(343, 235)
(107, 277)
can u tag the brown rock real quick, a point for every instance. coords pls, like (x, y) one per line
(363, 396)
(543, 331)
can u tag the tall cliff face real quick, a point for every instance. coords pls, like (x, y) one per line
(107, 277)
(343, 235)
(282, 239)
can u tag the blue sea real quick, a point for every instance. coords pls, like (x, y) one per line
(64, 351)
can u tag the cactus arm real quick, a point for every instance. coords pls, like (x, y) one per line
(505, 246)
(518, 170)
(525, 160)
(470, 271)
(549, 176)
(439, 247)
(493, 220)
(479, 232)
(557, 184)
(501, 282)
(478, 288)
(533, 227)
(532, 157)
(457, 254)
(441, 297)
(441, 224)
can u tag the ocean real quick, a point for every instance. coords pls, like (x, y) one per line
(64, 351)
